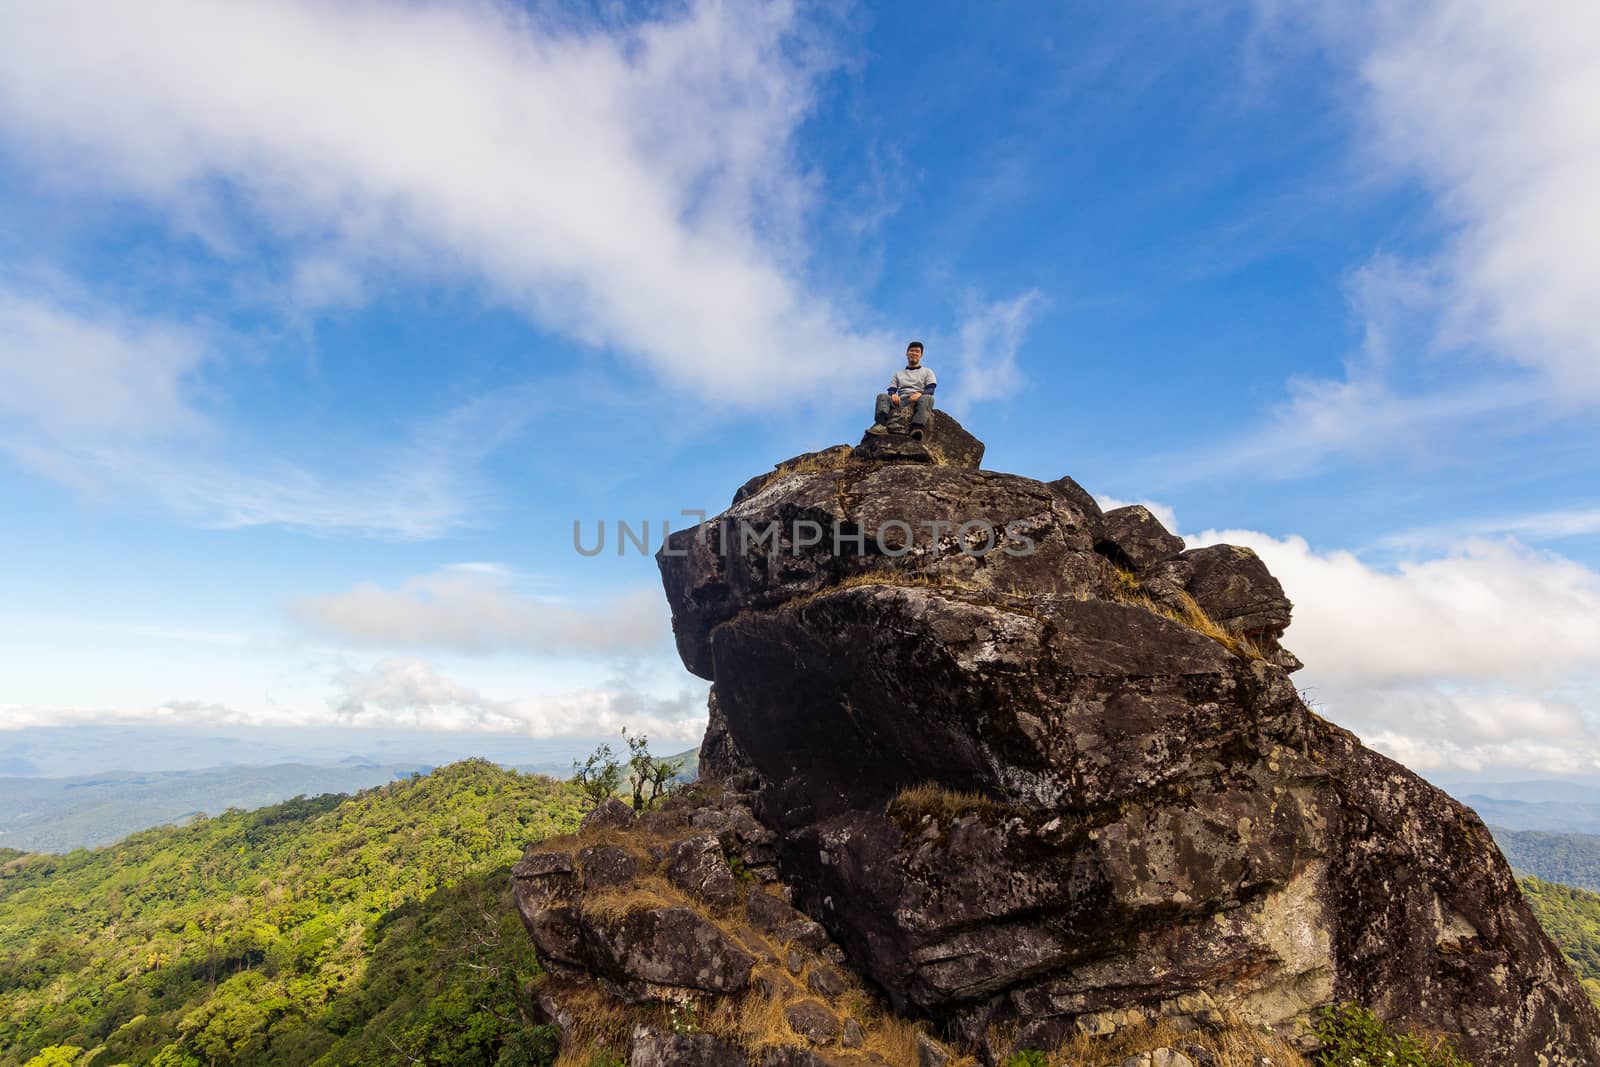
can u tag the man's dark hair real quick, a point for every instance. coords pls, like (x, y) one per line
(914, 344)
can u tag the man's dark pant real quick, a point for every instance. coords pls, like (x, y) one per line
(919, 414)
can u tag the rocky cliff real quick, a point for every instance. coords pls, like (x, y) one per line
(1038, 771)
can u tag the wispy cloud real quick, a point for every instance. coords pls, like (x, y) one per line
(69, 367)
(416, 496)
(630, 187)
(1491, 331)
(988, 338)
(1381, 409)
(1491, 107)
(107, 403)
(1364, 417)
(477, 611)
(1534, 527)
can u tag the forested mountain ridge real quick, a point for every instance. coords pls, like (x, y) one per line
(1571, 859)
(365, 929)
(1572, 919)
(87, 811)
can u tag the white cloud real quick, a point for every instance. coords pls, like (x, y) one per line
(635, 189)
(88, 371)
(1562, 756)
(986, 347)
(1483, 657)
(409, 694)
(473, 610)
(416, 497)
(1489, 610)
(1492, 107)
(1473, 728)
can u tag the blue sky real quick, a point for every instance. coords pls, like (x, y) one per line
(321, 323)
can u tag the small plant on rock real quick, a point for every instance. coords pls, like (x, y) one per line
(1352, 1036)
(737, 865)
(1027, 1057)
(683, 1018)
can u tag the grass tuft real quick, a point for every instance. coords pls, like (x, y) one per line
(930, 799)
(829, 459)
(1235, 1045)
(643, 894)
(602, 1025)
(1125, 586)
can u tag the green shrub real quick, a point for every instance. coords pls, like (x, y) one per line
(1352, 1036)
(1027, 1057)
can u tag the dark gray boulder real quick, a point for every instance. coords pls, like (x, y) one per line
(655, 1047)
(1079, 497)
(812, 1020)
(1233, 587)
(824, 459)
(606, 866)
(696, 864)
(609, 813)
(1133, 538)
(997, 533)
(1023, 799)
(545, 882)
(1236, 589)
(721, 760)
(945, 442)
(669, 947)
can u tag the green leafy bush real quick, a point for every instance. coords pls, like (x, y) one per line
(1352, 1036)
(1028, 1057)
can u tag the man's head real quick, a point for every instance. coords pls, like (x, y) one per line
(913, 353)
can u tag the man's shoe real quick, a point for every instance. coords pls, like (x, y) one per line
(878, 429)
(916, 433)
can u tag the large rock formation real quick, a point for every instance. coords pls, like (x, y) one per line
(1039, 769)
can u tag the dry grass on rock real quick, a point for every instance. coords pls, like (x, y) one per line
(931, 800)
(1234, 1045)
(1185, 612)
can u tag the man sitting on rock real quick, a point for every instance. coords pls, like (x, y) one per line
(911, 387)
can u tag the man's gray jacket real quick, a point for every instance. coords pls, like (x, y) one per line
(907, 381)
